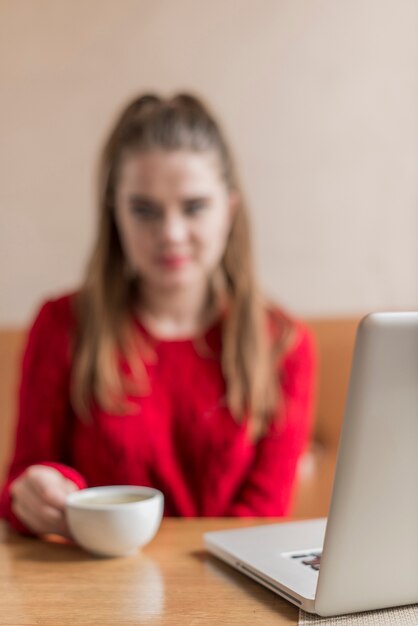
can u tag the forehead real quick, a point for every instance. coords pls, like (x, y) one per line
(160, 172)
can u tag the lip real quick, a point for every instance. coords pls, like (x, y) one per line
(173, 261)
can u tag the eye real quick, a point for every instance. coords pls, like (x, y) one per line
(196, 205)
(145, 211)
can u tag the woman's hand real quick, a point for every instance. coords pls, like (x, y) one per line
(38, 499)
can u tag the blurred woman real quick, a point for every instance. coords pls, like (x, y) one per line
(168, 367)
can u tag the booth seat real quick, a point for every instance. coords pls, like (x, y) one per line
(335, 341)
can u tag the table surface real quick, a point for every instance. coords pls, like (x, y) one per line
(172, 581)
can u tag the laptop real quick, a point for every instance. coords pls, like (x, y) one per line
(365, 555)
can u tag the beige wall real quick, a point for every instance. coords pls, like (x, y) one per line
(319, 97)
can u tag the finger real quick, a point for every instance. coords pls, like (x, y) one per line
(62, 527)
(27, 496)
(49, 484)
(23, 489)
(37, 523)
(29, 519)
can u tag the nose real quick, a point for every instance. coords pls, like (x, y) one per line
(174, 228)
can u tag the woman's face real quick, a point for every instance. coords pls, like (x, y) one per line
(173, 213)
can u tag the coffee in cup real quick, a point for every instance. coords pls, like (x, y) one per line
(116, 520)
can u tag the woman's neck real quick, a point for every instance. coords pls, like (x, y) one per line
(177, 313)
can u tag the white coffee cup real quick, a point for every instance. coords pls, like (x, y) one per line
(114, 521)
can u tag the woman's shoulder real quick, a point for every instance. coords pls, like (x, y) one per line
(56, 314)
(290, 331)
(50, 336)
(297, 355)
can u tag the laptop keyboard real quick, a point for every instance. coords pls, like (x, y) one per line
(311, 559)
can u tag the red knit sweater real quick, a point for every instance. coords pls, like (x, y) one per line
(180, 439)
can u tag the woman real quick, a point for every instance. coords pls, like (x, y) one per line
(167, 368)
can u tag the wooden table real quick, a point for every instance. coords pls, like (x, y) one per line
(173, 581)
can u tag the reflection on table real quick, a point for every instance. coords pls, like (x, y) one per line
(173, 581)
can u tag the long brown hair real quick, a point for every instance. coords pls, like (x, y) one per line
(252, 339)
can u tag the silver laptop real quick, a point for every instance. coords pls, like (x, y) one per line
(366, 555)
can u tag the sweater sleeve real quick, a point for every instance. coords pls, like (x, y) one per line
(268, 488)
(43, 406)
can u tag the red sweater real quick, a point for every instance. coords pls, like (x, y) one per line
(181, 438)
